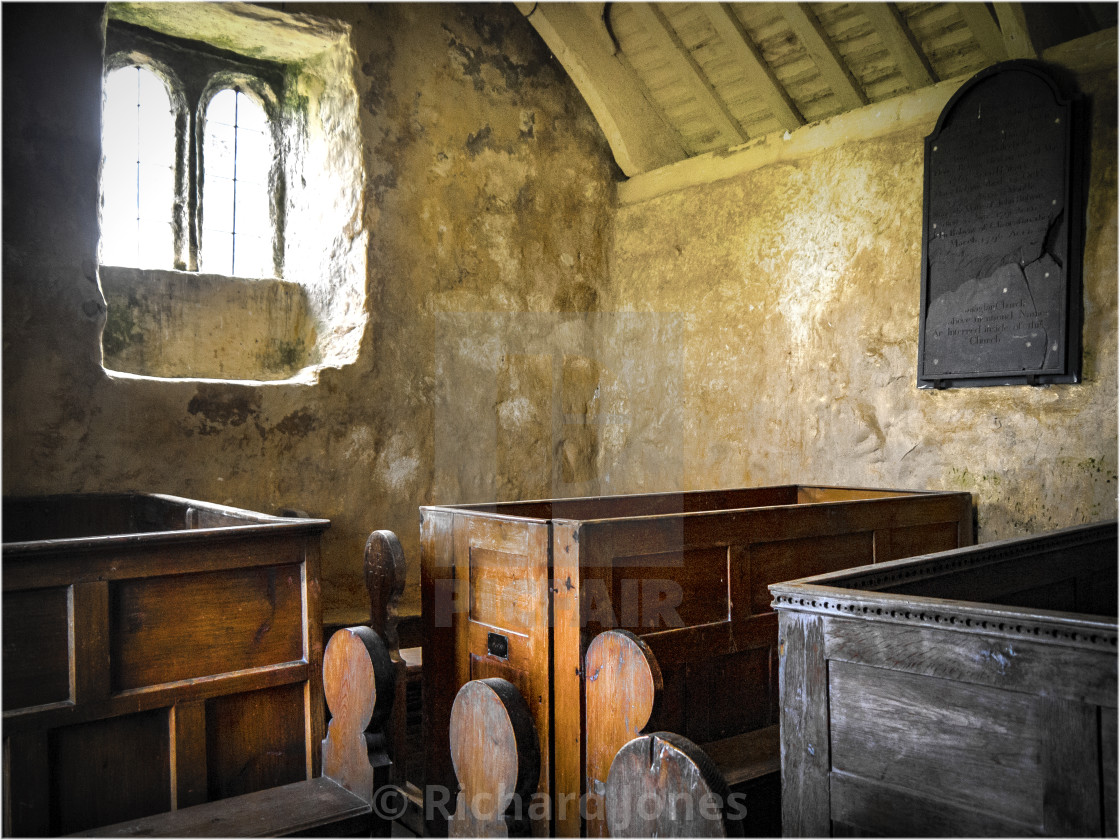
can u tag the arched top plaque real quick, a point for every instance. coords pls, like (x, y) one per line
(1002, 234)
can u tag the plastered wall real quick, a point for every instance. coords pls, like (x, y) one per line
(526, 335)
(795, 290)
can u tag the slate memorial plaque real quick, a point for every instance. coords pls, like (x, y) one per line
(1001, 269)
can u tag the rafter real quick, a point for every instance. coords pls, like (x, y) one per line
(638, 133)
(1016, 35)
(899, 41)
(821, 50)
(984, 29)
(657, 26)
(757, 71)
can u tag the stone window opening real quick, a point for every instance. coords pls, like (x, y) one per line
(194, 76)
(213, 286)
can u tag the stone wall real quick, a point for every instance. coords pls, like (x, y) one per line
(794, 290)
(487, 188)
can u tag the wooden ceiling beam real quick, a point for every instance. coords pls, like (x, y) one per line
(1016, 35)
(655, 23)
(900, 43)
(984, 29)
(757, 71)
(824, 54)
(638, 133)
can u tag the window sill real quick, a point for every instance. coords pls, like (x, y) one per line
(176, 324)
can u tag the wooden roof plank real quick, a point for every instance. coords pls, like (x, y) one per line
(900, 43)
(655, 23)
(748, 57)
(984, 29)
(824, 54)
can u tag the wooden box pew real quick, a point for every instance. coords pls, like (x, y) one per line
(372, 693)
(970, 692)
(158, 653)
(518, 591)
(358, 679)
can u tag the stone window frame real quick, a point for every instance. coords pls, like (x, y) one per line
(178, 324)
(193, 73)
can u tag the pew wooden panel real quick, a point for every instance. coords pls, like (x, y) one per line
(518, 591)
(358, 682)
(158, 652)
(970, 692)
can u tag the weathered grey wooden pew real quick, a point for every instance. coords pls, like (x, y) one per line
(970, 692)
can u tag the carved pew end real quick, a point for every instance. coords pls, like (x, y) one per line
(664, 785)
(495, 751)
(358, 679)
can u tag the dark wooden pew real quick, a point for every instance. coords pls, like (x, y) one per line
(158, 653)
(359, 683)
(519, 590)
(372, 692)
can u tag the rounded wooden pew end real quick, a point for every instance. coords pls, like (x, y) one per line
(496, 755)
(622, 673)
(358, 683)
(664, 785)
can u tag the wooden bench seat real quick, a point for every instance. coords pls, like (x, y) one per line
(746, 757)
(298, 808)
